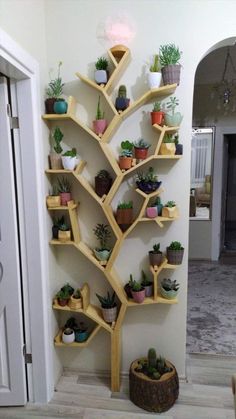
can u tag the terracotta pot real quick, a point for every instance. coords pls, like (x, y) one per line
(55, 161)
(109, 314)
(124, 217)
(140, 153)
(49, 105)
(102, 185)
(65, 197)
(155, 258)
(99, 126)
(125, 163)
(138, 296)
(157, 118)
(174, 257)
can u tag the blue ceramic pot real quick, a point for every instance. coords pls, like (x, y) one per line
(81, 336)
(148, 187)
(102, 254)
(60, 106)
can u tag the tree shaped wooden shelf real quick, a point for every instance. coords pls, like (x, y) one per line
(119, 56)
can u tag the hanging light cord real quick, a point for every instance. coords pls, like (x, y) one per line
(228, 59)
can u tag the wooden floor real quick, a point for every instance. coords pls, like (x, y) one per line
(205, 395)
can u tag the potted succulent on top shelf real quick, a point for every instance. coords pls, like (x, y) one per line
(55, 103)
(169, 289)
(124, 215)
(155, 255)
(148, 182)
(64, 188)
(174, 119)
(154, 75)
(126, 155)
(109, 307)
(168, 145)
(175, 253)
(122, 102)
(157, 114)
(170, 210)
(169, 58)
(55, 156)
(101, 74)
(153, 383)
(100, 123)
(141, 149)
(147, 284)
(70, 159)
(102, 234)
(103, 182)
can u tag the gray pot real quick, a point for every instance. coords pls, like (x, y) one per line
(171, 74)
(109, 314)
(148, 290)
(155, 258)
(174, 257)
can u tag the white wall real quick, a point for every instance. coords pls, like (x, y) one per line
(71, 37)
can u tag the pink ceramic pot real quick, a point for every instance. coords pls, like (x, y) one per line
(65, 197)
(138, 296)
(99, 126)
(151, 212)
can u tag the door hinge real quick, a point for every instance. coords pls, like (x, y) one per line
(14, 120)
(28, 357)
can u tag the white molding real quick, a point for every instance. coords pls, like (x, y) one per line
(26, 71)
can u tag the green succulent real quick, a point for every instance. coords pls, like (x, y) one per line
(99, 113)
(64, 185)
(101, 64)
(169, 54)
(125, 205)
(169, 284)
(57, 135)
(102, 234)
(108, 301)
(175, 246)
(141, 144)
(70, 153)
(55, 86)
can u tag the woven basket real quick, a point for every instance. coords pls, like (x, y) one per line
(171, 74)
(153, 395)
(75, 303)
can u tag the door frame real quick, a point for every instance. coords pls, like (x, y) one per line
(18, 64)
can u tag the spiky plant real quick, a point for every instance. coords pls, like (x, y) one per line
(102, 234)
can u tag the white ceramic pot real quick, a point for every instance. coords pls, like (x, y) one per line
(69, 163)
(68, 338)
(154, 80)
(100, 76)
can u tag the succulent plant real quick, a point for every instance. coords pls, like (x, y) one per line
(125, 205)
(64, 186)
(141, 144)
(101, 63)
(57, 135)
(175, 246)
(102, 233)
(169, 54)
(170, 204)
(104, 174)
(55, 86)
(99, 113)
(169, 284)
(136, 287)
(108, 301)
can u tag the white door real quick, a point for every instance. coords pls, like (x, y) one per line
(12, 366)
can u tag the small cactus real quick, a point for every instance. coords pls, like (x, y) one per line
(156, 375)
(122, 91)
(152, 358)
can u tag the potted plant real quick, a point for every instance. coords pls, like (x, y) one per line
(168, 145)
(101, 74)
(178, 146)
(175, 253)
(63, 297)
(100, 123)
(148, 182)
(169, 58)
(68, 287)
(68, 335)
(170, 210)
(154, 75)
(55, 156)
(126, 155)
(147, 284)
(69, 159)
(54, 92)
(102, 234)
(75, 301)
(138, 292)
(141, 149)
(122, 102)
(56, 224)
(128, 287)
(124, 214)
(157, 114)
(53, 200)
(154, 209)
(174, 119)
(155, 255)
(153, 383)
(103, 182)
(168, 288)
(64, 188)
(64, 233)
(109, 307)
(81, 332)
